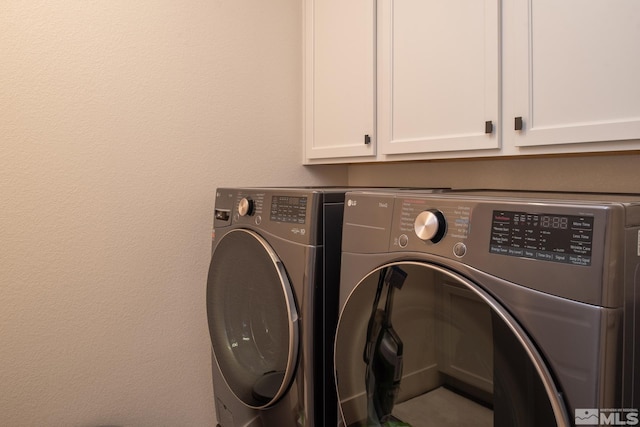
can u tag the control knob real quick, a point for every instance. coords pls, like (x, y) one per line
(245, 207)
(430, 225)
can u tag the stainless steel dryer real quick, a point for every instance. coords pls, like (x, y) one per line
(272, 305)
(489, 309)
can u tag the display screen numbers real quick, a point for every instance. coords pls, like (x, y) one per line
(558, 222)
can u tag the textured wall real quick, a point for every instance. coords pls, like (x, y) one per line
(118, 119)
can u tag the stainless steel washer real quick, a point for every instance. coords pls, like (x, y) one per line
(272, 305)
(507, 309)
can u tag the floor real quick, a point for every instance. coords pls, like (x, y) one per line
(443, 408)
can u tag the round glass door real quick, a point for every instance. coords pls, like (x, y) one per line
(418, 345)
(253, 321)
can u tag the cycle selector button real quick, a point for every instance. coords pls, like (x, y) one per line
(430, 225)
(245, 206)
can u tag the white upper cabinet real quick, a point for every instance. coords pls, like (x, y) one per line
(439, 75)
(572, 73)
(339, 83)
(394, 80)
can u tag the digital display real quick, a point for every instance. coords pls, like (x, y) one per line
(558, 238)
(289, 209)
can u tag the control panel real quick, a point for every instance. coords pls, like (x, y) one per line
(544, 241)
(250, 206)
(284, 212)
(550, 237)
(291, 209)
(428, 221)
(541, 235)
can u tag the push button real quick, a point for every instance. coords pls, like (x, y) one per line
(459, 249)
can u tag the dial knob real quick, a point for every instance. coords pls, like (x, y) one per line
(245, 207)
(430, 225)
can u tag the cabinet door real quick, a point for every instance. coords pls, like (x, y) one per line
(573, 70)
(340, 52)
(439, 75)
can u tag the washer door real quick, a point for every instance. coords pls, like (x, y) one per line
(447, 354)
(253, 320)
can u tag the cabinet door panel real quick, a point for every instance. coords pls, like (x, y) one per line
(575, 66)
(440, 75)
(340, 49)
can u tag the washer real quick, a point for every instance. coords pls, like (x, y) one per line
(481, 308)
(272, 305)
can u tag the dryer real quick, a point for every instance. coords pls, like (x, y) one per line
(272, 305)
(486, 308)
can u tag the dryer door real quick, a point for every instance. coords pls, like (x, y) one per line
(438, 351)
(253, 319)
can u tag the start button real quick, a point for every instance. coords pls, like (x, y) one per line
(459, 249)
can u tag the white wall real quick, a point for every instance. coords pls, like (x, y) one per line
(118, 119)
